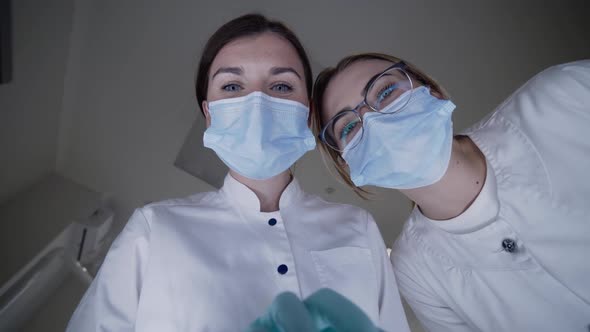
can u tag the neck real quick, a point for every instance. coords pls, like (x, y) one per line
(458, 188)
(268, 191)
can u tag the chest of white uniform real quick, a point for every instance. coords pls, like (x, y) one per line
(529, 262)
(239, 266)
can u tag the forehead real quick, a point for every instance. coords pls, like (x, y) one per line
(265, 50)
(345, 90)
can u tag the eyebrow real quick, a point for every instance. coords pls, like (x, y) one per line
(239, 71)
(281, 70)
(229, 70)
(345, 109)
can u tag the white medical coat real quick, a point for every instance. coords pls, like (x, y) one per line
(458, 276)
(214, 262)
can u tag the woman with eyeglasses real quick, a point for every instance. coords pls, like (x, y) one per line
(215, 261)
(500, 234)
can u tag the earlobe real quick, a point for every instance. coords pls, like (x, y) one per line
(205, 107)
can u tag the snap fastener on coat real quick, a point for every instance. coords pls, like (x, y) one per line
(509, 245)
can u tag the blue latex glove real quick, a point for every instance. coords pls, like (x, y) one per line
(323, 311)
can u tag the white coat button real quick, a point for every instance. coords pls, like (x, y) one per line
(282, 269)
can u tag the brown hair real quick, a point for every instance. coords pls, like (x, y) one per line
(321, 83)
(244, 26)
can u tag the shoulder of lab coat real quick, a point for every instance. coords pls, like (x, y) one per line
(111, 301)
(550, 112)
(389, 298)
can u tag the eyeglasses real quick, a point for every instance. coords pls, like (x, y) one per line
(384, 93)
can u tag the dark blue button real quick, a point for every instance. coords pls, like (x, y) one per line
(509, 245)
(282, 269)
(272, 221)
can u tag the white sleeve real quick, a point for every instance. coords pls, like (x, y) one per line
(110, 303)
(412, 275)
(391, 312)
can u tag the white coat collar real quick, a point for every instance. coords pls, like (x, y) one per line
(482, 211)
(239, 194)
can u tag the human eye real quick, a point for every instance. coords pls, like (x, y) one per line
(232, 87)
(386, 92)
(347, 130)
(282, 88)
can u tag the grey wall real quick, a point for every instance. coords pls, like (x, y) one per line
(30, 105)
(35, 216)
(130, 101)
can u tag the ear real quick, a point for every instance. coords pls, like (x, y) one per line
(205, 107)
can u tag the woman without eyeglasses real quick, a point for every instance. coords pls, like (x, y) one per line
(215, 261)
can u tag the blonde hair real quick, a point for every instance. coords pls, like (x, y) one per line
(332, 158)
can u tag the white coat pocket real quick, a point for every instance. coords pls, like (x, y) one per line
(351, 272)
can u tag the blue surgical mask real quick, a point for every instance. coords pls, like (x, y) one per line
(403, 150)
(258, 136)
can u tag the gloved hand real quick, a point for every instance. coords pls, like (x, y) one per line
(323, 311)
